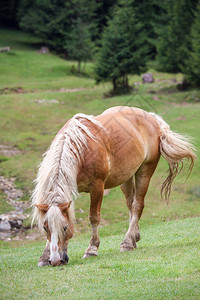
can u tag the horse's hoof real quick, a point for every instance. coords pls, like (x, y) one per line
(87, 255)
(127, 247)
(123, 249)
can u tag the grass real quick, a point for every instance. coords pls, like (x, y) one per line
(166, 263)
(164, 266)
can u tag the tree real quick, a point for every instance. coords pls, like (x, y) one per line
(151, 14)
(123, 49)
(79, 45)
(192, 68)
(173, 41)
(54, 20)
(49, 20)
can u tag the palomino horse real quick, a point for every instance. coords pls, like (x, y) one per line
(120, 147)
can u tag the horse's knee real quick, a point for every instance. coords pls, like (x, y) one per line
(94, 220)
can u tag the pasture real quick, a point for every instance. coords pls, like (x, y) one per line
(166, 264)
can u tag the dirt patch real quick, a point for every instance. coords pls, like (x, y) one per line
(8, 151)
(64, 90)
(12, 193)
(11, 223)
(180, 118)
(14, 90)
(44, 101)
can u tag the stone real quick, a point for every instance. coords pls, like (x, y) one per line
(44, 50)
(5, 226)
(5, 49)
(147, 78)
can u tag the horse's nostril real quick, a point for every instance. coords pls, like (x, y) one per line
(50, 262)
(62, 261)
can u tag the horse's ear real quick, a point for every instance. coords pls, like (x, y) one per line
(64, 205)
(42, 207)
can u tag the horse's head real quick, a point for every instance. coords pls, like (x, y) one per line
(58, 224)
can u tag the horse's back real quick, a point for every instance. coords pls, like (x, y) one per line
(132, 138)
(130, 127)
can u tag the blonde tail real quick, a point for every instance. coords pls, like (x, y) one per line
(174, 148)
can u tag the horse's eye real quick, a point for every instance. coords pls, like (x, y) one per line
(65, 228)
(45, 228)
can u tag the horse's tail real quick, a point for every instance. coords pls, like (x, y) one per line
(174, 148)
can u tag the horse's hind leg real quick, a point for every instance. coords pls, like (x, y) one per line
(96, 197)
(128, 188)
(142, 179)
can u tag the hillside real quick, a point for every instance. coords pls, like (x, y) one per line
(38, 94)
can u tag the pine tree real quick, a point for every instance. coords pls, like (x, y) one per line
(49, 20)
(192, 68)
(79, 45)
(173, 42)
(54, 20)
(123, 50)
(151, 14)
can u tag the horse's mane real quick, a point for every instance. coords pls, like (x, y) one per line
(56, 178)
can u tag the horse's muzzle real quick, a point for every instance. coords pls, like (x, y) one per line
(63, 261)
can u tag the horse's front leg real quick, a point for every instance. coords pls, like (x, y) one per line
(96, 196)
(44, 259)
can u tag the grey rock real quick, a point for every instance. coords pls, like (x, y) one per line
(147, 78)
(44, 50)
(5, 226)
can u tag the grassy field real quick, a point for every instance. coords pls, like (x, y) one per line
(166, 263)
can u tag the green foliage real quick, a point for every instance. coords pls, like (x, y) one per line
(123, 49)
(174, 39)
(4, 206)
(79, 40)
(151, 15)
(192, 68)
(56, 21)
(50, 20)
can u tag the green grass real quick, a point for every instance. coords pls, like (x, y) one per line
(166, 263)
(4, 206)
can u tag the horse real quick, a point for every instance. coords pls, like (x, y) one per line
(120, 147)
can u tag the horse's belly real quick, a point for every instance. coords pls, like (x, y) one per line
(120, 175)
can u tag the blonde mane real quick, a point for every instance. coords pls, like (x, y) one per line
(56, 178)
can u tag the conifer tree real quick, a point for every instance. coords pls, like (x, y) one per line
(173, 41)
(123, 50)
(54, 20)
(151, 14)
(79, 44)
(192, 68)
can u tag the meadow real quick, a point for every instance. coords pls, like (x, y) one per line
(38, 94)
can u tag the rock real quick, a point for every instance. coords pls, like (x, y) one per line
(43, 101)
(8, 187)
(5, 49)
(8, 150)
(44, 50)
(5, 226)
(64, 90)
(147, 78)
